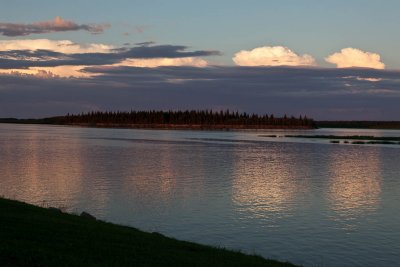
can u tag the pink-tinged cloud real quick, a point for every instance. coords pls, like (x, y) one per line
(56, 25)
(164, 62)
(63, 58)
(77, 71)
(61, 46)
(352, 57)
(272, 56)
(51, 72)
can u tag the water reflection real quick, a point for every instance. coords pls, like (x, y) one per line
(43, 171)
(176, 174)
(153, 172)
(355, 182)
(268, 182)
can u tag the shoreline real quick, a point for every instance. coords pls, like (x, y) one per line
(36, 236)
(363, 125)
(221, 127)
(194, 127)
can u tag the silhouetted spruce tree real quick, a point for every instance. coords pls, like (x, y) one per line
(187, 117)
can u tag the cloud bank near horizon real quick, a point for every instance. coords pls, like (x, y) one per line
(41, 77)
(351, 94)
(56, 25)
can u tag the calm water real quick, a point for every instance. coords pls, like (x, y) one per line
(309, 202)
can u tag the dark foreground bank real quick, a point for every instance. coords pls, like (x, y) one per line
(34, 236)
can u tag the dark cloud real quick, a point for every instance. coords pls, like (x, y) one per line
(15, 59)
(145, 43)
(56, 25)
(316, 92)
(269, 80)
(167, 51)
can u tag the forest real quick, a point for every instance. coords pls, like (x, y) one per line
(202, 119)
(188, 118)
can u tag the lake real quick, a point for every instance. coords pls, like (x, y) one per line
(306, 201)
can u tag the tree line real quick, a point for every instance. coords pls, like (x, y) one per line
(188, 117)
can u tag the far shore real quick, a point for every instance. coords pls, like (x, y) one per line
(380, 125)
(215, 127)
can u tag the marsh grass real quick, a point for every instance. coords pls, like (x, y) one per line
(348, 137)
(353, 139)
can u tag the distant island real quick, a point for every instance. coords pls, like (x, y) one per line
(197, 120)
(189, 119)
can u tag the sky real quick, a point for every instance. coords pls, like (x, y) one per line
(330, 60)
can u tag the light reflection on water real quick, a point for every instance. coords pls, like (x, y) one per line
(264, 183)
(306, 201)
(31, 159)
(355, 184)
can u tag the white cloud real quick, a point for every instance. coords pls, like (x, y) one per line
(160, 62)
(272, 56)
(352, 57)
(368, 79)
(61, 46)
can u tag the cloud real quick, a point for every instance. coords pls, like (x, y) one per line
(65, 58)
(168, 51)
(272, 56)
(162, 62)
(14, 59)
(78, 71)
(145, 43)
(61, 46)
(56, 25)
(352, 57)
(316, 92)
(364, 79)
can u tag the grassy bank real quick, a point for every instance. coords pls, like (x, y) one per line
(34, 236)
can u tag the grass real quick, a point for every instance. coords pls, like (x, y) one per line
(357, 139)
(359, 143)
(35, 236)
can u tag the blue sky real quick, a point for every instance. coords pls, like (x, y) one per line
(308, 26)
(324, 59)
